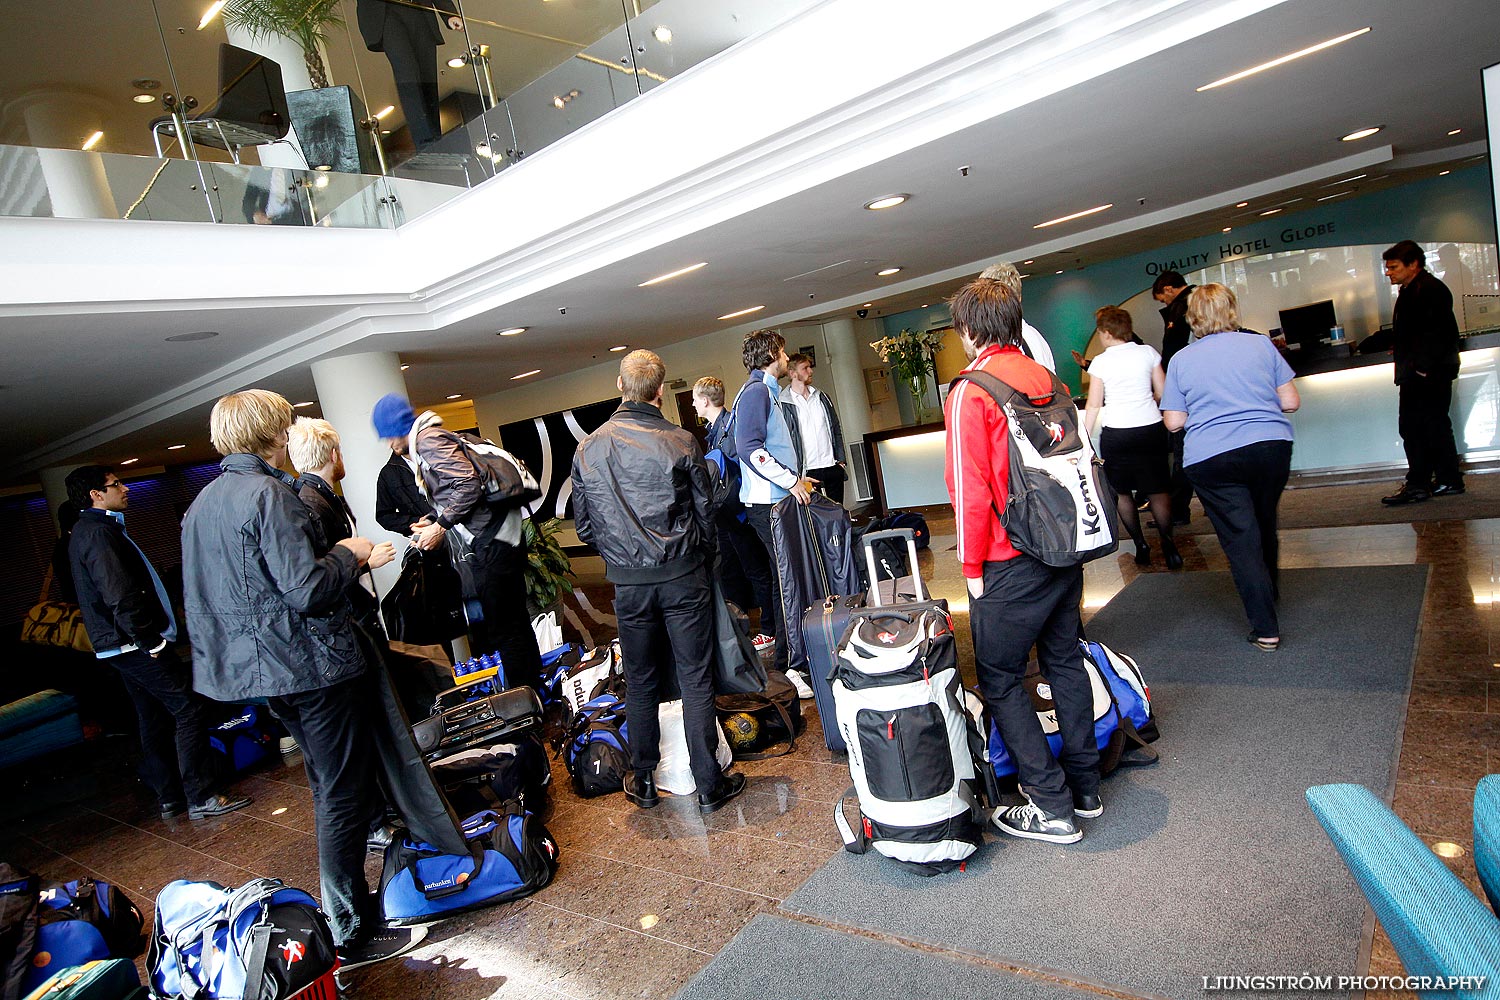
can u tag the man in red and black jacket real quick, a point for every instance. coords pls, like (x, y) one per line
(1016, 600)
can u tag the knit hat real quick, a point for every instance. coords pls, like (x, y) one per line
(393, 416)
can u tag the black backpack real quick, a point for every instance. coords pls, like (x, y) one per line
(1059, 509)
(597, 747)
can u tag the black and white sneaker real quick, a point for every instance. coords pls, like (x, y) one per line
(1030, 822)
(385, 943)
(1088, 806)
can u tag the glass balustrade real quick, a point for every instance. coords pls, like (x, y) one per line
(320, 112)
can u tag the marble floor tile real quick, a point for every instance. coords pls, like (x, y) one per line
(1435, 810)
(1448, 766)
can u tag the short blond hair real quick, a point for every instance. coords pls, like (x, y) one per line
(310, 444)
(248, 422)
(1212, 308)
(641, 376)
(1004, 272)
(711, 389)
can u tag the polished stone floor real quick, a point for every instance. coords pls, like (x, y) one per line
(643, 900)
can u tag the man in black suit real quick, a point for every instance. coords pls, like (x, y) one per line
(1426, 346)
(409, 35)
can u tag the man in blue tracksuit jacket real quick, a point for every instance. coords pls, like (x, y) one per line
(770, 456)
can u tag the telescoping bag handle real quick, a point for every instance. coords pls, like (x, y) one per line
(893, 534)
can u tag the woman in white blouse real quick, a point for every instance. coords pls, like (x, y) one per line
(1125, 383)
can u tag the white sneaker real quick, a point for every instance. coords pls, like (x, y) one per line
(800, 683)
(762, 641)
(287, 744)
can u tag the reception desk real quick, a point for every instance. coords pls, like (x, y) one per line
(1347, 423)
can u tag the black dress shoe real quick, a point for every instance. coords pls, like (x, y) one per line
(641, 789)
(1405, 495)
(727, 788)
(380, 838)
(1448, 490)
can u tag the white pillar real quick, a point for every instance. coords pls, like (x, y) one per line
(55, 487)
(58, 124)
(348, 387)
(848, 378)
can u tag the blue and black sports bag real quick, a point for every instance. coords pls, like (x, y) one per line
(597, 747)
(512, 855)
(1124, 726)
(82, 921)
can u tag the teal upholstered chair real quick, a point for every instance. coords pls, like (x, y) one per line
(1438, 926)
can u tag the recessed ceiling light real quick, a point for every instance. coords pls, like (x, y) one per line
(1444, 173)
(1363, 133)
(1454, 131)
(388, 109)
(92, 141)
(1057, 272)
(457, 62)
(618, 348)
(867, 305)
(323, 166)
(924, 305)
(1269, 211)
(186, 338)
(887, 201)
(534, 371)
(176, 447)
(148, 98)
(1025, 262)
(208, 15)
(456, 395)
(887, 272)
(1226, 229)
(513, 331)
(662, 34)
(1075, 215)
(1336, 194)
(742, 312)
(673, 274)
(1027, 275)
(404, 367)
(1242, 204)
(1282, 59)
(385, 131)
(301, 405)
(130, 461)
(558, 103)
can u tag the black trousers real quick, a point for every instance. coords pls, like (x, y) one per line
(1027, 602)
(177, 764)
(1240, 490)
(332, 725)
(684, 607)
(1427, 431)
(830, 481)
(506, 629)
(758, 516)
(1182, 489)
(413, 57)
(738, 544)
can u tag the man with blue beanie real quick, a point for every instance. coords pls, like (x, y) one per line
(494, 532)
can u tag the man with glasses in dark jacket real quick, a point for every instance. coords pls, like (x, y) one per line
(129, 620)
(642, 498)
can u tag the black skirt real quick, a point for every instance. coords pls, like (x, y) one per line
(1135, 458)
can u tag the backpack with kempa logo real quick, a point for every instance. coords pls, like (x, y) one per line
(597, 747)
(1059, 508)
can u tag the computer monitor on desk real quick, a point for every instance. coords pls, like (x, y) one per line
(1305, 329)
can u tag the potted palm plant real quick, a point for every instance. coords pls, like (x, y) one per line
(547, 566)
(304, 21)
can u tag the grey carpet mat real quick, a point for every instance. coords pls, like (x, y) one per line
(1210, 862)
(775, 957)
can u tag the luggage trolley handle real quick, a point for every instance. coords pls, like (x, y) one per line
(911, 555)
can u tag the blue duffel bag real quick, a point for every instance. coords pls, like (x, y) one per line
(1124, 726)
(512, 856)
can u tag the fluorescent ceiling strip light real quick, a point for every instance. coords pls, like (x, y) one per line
(534, 371)
(93, 141)
(1337, 194)
(1283, 59)
(673, 274)
(210, 14)
(742, 312)
(1075, 215)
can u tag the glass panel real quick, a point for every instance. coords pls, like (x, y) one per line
(675, 35)
(62, 92)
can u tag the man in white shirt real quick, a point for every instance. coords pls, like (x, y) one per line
(818, 422)
(1033, 344)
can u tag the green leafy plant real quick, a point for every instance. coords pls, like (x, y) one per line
(910, 356)
(548, 569)
(306, 21)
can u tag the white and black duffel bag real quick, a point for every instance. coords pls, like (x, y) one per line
(912, 746)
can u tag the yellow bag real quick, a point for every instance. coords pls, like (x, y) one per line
(56, 623)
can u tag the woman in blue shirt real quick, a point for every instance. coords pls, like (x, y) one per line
(1232, 390)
